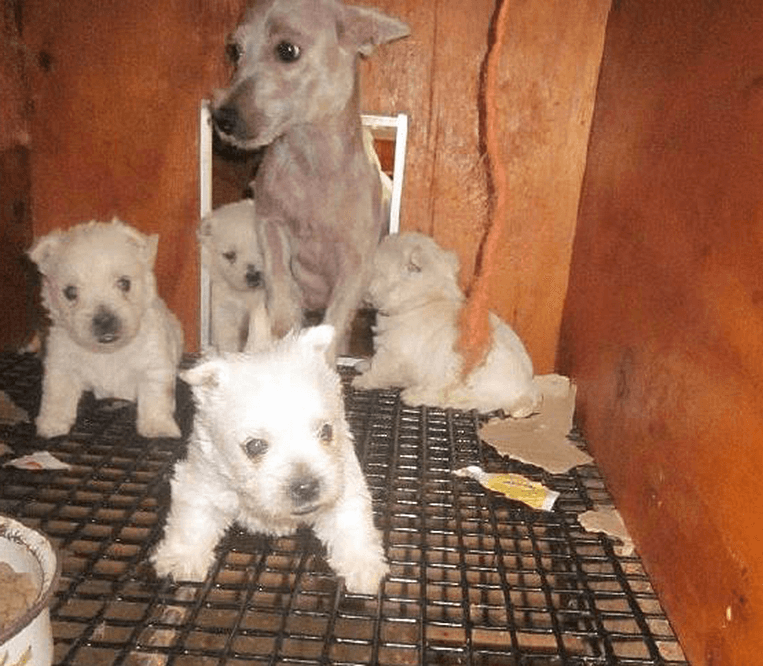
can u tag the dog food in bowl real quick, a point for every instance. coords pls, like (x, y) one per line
(17, 594)
(29, 571)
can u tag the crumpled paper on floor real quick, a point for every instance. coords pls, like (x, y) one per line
(609, 521)
(541, 439)
(10, 412)
(38, 461)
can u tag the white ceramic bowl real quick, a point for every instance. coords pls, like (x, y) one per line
(28, 640)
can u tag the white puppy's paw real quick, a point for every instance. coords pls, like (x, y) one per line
(181, 563)
(157, 425)
(362, 382)
(50, 426)
(365, 573)
(369, 380)
(419, 395)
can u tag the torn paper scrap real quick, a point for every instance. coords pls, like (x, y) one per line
(37, 461)
(541, 439)
(513, 486)
(10, 412)
(609, 521)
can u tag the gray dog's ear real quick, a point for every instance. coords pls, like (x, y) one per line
(363, 29)
(44, 249)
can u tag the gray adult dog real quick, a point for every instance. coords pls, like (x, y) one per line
(295, 90)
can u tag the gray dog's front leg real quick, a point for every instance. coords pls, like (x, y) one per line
(346, 297)
(283, 303)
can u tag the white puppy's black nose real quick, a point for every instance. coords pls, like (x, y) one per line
(105, 326)
(253, 277)
(304, 490)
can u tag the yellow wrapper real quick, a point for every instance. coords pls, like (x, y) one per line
(514, 486)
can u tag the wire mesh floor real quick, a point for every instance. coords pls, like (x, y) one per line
(475, 578)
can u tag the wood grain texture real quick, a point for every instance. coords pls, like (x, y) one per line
(663, 326)
(116, 96)
(546, 93)
(16, 275)
(434, 76)
(545, 100)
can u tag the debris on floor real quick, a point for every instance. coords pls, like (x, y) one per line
(513, 486)
(38, 461)
(609, 521)
(541, 439)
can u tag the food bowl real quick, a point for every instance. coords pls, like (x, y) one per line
(28, 638)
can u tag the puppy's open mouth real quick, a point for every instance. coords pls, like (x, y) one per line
(108, 338)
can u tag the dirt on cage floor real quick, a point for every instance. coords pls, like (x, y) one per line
(475, 578)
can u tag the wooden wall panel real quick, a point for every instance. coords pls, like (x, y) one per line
(116, 91)
(434, 76)
(663, 326)
(545, 99)
(16, 285)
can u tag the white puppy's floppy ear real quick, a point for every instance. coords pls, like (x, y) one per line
(44, 249)
(147, 245)
(316, 339)
(363, 29)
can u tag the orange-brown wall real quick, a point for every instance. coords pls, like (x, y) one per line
(663, 327)
(115, 87)
(544, 101)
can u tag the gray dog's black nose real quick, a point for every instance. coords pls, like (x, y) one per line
(253, 277)
(305, 489)
(227, 119)
(105, 326)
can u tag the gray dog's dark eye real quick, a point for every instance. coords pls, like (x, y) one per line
(124, 284)
(229, 256)
(255, 447)
(288, 52)
(70, 293)
(234, 52)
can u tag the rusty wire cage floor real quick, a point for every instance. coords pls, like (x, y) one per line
(475, 578)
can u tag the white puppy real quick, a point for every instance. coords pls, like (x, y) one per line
(415, 291)
(271, 450)
(231, 250)
(110, 332)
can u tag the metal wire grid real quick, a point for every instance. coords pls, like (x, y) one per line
(476, 579)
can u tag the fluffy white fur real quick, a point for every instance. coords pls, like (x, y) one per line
(271, 450)
(110, 332)
(415, 291)
(231, 250)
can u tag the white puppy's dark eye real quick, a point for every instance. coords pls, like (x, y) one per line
(229, 256)
(413, 267)
(255, 447)
(326, 433)
(234, 51)
(70, 293)
(288, 52)
(124, 284)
